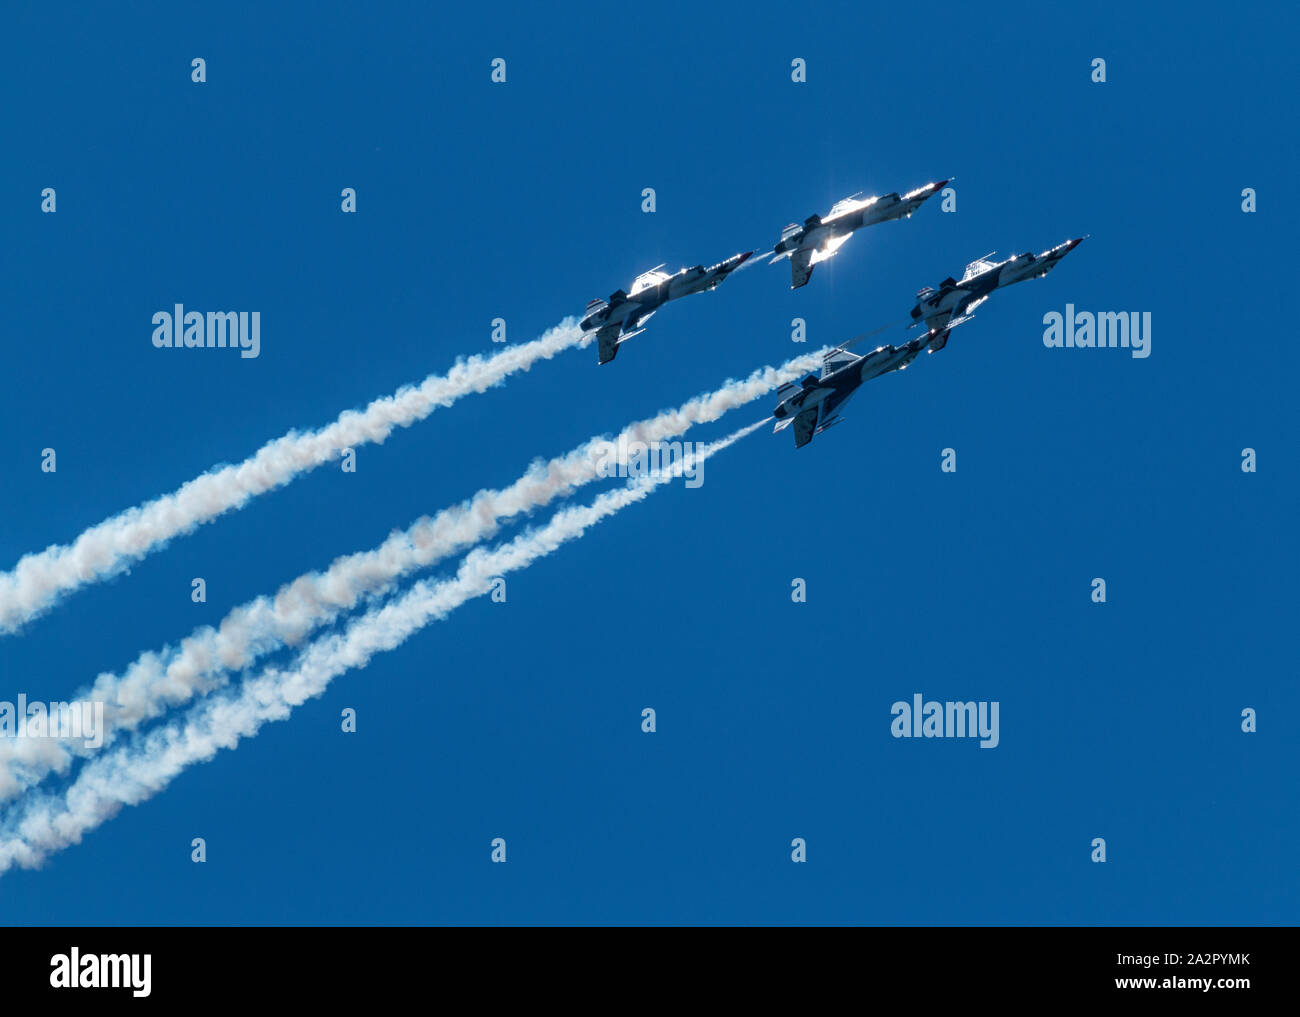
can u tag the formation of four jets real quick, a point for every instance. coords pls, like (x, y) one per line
(814, 404)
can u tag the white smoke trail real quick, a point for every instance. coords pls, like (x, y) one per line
(133, 773)
(41, 579)
(159, 681)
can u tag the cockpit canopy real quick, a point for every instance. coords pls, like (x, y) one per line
(648, 280)
(850, 204)
(979, 266)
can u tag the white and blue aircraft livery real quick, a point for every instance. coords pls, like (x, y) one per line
(944, 309)
(819, 238)
(815, 403)
(622, 316)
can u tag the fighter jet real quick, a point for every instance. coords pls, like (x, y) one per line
(818, 239)
(955, 300)
(815, 403)
(623, 316)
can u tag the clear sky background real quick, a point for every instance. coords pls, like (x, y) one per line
(522, 201)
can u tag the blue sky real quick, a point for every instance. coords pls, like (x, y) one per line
(522, 201)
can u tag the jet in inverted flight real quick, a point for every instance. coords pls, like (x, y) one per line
(953, 302)
(818, 239)
(624, 314)
(815, 403)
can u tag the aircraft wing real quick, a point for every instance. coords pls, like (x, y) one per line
(966, 303)
(801, 267)
(934, 322)
(805, 425)
(638, 318)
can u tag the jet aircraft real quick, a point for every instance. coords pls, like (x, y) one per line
(815, 403)
(819, 239)
(624, 314)
(953, 302)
